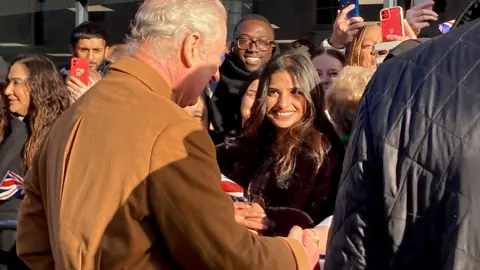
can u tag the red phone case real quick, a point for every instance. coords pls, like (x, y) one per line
(79, 68)
(391, 20)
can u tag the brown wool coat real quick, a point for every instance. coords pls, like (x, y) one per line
(128, 180)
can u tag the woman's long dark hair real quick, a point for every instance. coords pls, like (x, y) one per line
(49, 97)
(262, 132)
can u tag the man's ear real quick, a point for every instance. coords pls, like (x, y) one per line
(108, 51)
(190, 49)
(71, 49)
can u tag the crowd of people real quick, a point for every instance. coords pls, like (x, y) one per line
(331, 158)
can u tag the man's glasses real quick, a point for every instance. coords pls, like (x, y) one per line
(262, 45)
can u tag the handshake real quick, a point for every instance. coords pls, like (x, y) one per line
(311, 242)
(254, 218)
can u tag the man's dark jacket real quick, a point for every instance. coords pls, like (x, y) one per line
(409, 196)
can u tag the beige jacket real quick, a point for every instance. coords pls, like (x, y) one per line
(128, 180)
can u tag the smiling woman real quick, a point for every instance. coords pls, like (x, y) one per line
(281, 160)
(35, 95)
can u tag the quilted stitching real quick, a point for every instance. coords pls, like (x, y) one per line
(409, 194)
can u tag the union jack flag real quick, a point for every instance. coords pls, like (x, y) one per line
(233, 189)
(446, 26)
(11, 186)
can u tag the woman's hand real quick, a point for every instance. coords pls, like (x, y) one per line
(251, 216)
(344, 30)
(419, 16)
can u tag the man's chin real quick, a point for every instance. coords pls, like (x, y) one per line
(251, 68)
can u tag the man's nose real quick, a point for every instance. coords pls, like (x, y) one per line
(90, 56)
(253, 47)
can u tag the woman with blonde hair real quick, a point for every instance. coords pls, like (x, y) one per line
(343, 99)
(360, 52)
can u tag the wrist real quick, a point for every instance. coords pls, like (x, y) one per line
(335, 43)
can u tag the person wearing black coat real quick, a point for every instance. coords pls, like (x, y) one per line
(11, 167)
(254, 45)
(409, 193)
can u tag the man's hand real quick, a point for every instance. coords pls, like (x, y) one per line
(251, 216)
(409, 34)
(310, 241)
(419, 16)
(77, 88)
(344, 30)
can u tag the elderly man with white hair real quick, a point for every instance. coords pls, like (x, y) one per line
(126, 179)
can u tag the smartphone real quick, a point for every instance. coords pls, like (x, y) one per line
(346, 3)
(419, 2)
(79, 69)
(391, 20)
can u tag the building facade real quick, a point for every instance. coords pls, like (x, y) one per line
(44, 26)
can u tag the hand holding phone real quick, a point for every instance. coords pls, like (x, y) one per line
(391, 20)
(421, 15)
(353, 13)
(79, 68)
(426, 4)
(344, 29)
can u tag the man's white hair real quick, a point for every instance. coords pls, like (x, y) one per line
(166, 23)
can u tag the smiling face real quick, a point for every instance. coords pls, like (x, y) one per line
(286, 104)
(252, 57)
(17, 90)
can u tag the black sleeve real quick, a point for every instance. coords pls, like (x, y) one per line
(355, 238)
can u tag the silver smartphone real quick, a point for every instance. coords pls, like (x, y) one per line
(419, 2)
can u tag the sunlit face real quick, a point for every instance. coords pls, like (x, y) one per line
(372, 36)
(93, 49)
(17, 90)
(328, 69)
(286, 104)
(199, 112)
(203, 70)
(248, 100)
(253, 57)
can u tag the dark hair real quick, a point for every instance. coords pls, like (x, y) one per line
(252, 17)
(262, 132)
(49, 97)
(299, 43)
(87, 30)
(255, 75)
(330, 52)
